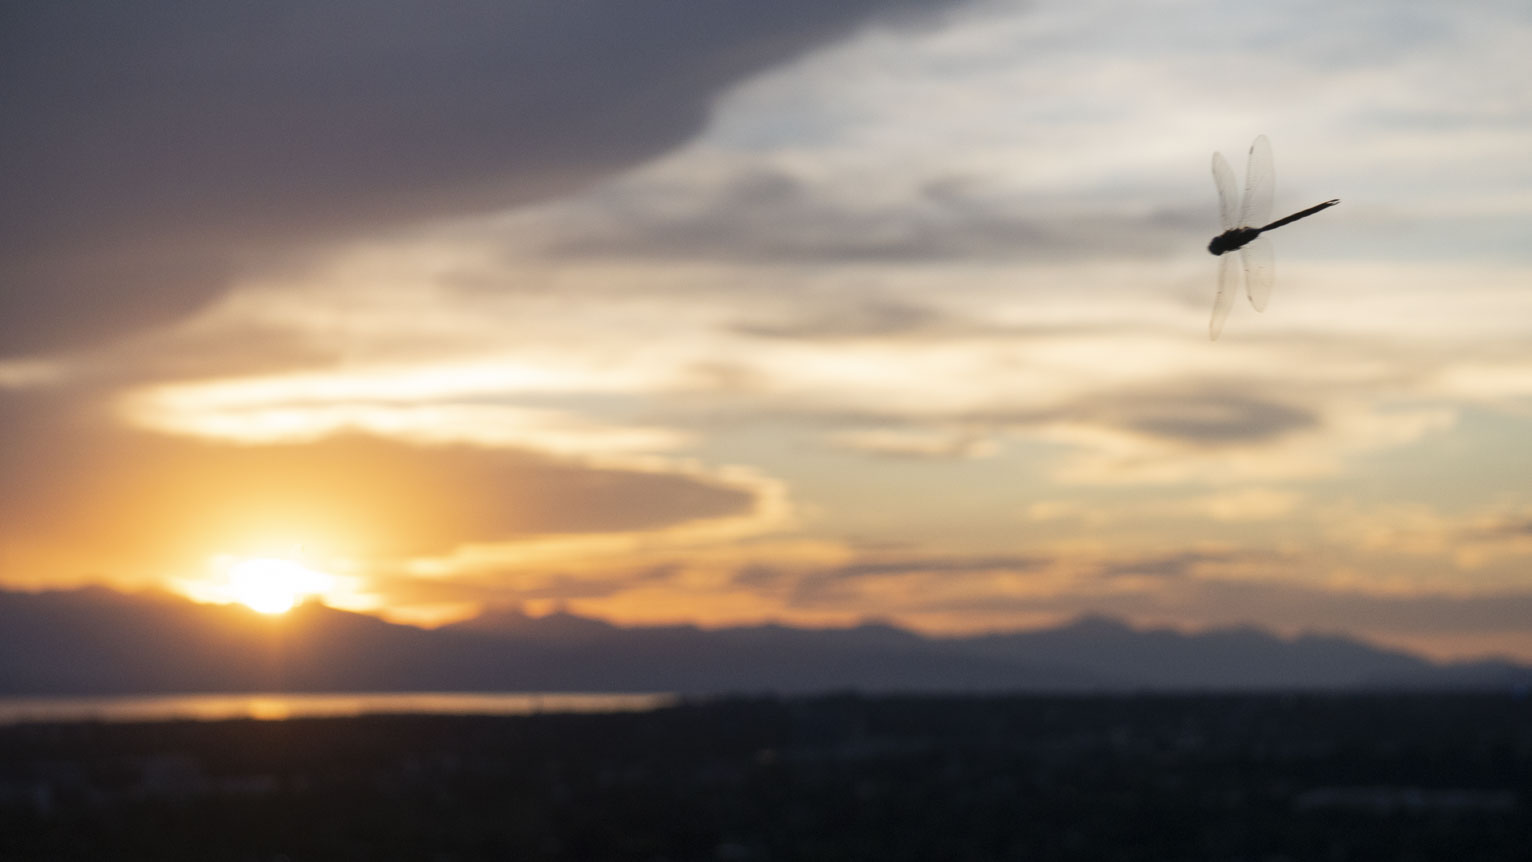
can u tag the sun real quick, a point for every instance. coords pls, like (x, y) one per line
(272, 585)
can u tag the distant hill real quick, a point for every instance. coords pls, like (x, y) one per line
(97, 641)
(1242, 657)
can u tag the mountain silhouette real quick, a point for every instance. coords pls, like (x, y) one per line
(1240, 657)
(97, 641)
(513, 622)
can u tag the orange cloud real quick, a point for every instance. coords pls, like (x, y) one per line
(143, 502)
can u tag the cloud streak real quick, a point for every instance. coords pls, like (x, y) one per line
(767, 217)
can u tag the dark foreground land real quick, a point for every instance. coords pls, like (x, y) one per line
(1302, 777)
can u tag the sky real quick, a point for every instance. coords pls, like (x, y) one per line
(814, 313)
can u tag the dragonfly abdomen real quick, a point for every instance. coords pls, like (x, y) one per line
(1304, 214)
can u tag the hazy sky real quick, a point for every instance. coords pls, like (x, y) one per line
(805, 311)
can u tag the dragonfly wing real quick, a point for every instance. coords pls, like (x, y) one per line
(1228, 192)
(1260, 271)
(1228, 278)
(1260, 178)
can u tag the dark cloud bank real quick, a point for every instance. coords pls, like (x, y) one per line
(154, 149)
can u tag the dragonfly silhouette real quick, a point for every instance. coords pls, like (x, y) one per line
(1236, 216)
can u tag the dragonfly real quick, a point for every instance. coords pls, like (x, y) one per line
(1236, 215)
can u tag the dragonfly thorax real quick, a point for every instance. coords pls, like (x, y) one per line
(1232, 239)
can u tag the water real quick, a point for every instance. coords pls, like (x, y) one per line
(212, 707)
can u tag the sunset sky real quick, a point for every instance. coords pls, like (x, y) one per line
(725, 312)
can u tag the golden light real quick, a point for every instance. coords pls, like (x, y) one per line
(272, 585)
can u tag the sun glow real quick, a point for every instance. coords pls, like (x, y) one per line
(272, 585)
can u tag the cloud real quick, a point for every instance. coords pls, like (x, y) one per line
(154, 150)
(1177, 565)
(904, 582)
(1290, 606)
(1157, 422)
(867, 317)
(952, 564)
(1238, 505)
(1491, 535)
(139, 500)
(405, 590)
(919, 444)
(1208, 414)
(546, 430)
(1186, 587)
(762, 216)
(1511, 528)
(1247, 504)
(830, 583)
(915, 583)
(1205, 432)
(1443, 624)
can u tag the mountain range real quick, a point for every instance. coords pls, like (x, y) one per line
(98, 641)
